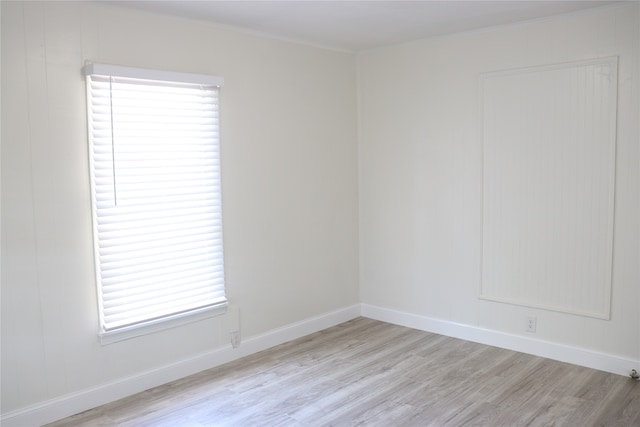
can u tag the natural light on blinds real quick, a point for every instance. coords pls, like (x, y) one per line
(155, 169)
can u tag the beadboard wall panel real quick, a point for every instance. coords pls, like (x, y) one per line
(548, 185)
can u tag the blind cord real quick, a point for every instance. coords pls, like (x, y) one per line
(113, 149)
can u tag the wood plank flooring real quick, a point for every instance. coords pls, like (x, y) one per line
(369, 373)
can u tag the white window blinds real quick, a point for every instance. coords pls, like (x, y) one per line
(155, 170)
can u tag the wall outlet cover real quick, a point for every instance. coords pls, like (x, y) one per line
(531, 324)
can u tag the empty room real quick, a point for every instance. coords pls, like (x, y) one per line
(312, 213)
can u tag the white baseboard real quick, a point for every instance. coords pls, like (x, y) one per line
(73, 403)
(564, 353)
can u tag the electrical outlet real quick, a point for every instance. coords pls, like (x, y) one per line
(235, 339)
(531, 324)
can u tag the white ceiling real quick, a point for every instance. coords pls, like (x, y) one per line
(357, 25)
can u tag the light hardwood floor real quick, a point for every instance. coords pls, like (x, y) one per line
(369, 373)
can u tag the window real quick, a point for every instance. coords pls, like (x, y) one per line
(155, 180)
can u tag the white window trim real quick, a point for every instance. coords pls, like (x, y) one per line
(170, 321)
(162, 324)
(149, 74)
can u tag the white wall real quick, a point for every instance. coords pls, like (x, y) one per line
(420, 173)
(289, 182)
(291, 169)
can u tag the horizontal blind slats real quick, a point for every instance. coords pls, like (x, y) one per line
(152, 272)
(173, 283)
(174, 303)
(174, 257)
(199, 207)
(133, 246)
(156, 185)
(153, 220)
(158, 311)
(125, 256)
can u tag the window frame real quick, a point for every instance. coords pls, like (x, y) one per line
(177, 318)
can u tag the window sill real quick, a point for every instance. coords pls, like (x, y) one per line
(121, 334)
